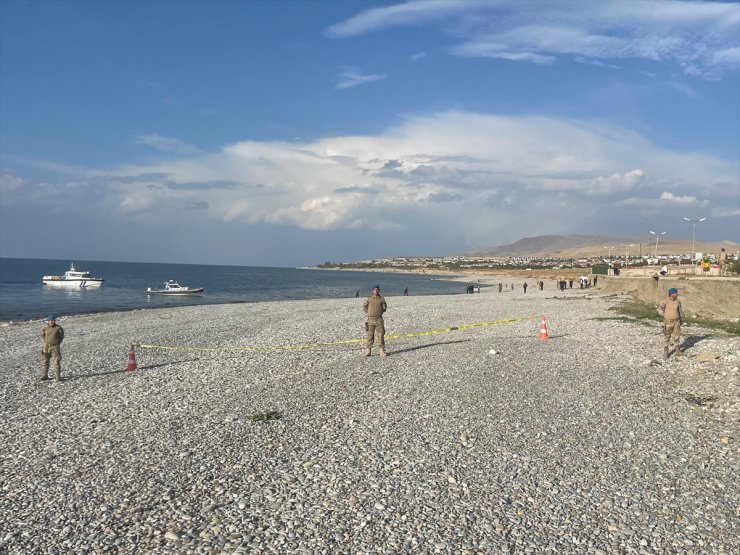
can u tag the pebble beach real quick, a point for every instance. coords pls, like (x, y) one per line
(263, 430)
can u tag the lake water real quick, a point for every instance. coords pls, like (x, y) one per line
(23, 297)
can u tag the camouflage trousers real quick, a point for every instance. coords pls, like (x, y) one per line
(48, 353)
(375, 328)
(672, 328)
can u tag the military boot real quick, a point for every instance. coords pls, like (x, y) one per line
(679, 352)
(382, 352)
(58, 375)
(44, 376)
(665, 353)
(367, 352)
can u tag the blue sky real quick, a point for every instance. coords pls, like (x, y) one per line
(290, 133)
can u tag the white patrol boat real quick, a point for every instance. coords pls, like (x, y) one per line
(171, 287)
(73, 278)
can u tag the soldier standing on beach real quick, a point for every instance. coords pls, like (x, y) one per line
(374, 306)
(722, 261)
(672, 315)
(52, 337)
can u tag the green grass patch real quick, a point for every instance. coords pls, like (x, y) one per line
(646, 313)
(266, 416)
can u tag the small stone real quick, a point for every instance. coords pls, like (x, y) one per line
(210, 507)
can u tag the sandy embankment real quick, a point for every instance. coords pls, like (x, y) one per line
(579, 444)
(711, 298)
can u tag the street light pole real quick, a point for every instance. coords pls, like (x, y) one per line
(657, 238)
(626, 251)
(693, 234)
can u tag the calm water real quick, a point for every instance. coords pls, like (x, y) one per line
(23, 297)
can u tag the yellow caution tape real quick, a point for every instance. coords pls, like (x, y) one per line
(334, 343)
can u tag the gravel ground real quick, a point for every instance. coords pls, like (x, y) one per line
(484, 440)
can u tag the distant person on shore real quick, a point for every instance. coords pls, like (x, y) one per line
(52, 337)
(542, 285)
(357, 295)
(500, 287)
(525, 287)
(570, 284)
(672, 315)
(374, 306)
(406, 292)
(596, 278)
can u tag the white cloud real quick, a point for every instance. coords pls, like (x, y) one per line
(467, 171)
(418, 56)
(9, 182)
(166, 144)
(678, 200)
(352, 78)
(700, 37)
(408, 13)
(582, 60)
(475, 176)
(724, 212)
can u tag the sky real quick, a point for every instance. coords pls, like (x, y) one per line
(282, 133)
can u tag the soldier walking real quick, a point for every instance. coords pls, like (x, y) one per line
(52, 337)
(374, 306)
(672, 315)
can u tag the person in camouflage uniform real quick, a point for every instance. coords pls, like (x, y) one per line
(672, 314)
(52, 337)
(374, 306)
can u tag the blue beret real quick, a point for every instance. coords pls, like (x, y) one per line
(673, 291)
(50, 317)
(376, 287)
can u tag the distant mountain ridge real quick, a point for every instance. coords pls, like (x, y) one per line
(547, 245)
(573, 246)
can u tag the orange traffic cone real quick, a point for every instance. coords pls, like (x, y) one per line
(131, 359)
(543, 329)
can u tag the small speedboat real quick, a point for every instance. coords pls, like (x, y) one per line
(73, 278)
(171, 287)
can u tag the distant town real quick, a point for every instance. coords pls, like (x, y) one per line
(458, 263)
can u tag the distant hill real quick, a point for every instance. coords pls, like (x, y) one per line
(578, 246)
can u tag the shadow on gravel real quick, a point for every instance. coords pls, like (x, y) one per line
(122, 371)
(692, 340)
(409, 349)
